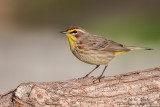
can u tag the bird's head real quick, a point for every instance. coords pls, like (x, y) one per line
(74, 32)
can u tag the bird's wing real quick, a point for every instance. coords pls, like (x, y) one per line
(102, 44)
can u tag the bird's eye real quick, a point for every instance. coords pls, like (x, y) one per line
(74, 31)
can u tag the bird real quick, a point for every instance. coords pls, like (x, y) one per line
(94, 49)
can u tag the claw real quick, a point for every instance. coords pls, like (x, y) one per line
(99, 78)
(85, 76)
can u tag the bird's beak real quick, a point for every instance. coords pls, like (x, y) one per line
(63, 32)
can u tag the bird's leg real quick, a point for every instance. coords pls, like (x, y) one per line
(101, 74)
(91, 71)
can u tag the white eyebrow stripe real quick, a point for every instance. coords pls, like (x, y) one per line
(81, 30)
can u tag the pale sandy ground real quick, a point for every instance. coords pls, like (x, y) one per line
(39, 56)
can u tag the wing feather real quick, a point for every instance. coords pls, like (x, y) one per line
(95, 42)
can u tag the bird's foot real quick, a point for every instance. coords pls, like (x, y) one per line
(97, 79)
(83, 77)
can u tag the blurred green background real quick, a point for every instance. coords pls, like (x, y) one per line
(32, 49)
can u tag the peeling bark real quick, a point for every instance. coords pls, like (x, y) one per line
(136, 89)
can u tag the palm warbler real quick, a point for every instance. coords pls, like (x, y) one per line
(94, 49)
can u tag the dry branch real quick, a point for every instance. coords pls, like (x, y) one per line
(140, 88)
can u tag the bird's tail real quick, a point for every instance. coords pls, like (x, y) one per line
(137, 48)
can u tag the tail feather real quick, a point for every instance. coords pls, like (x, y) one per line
(137, 48)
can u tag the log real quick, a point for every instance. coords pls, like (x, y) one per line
(135, 89)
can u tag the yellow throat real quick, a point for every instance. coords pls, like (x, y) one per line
(71, 40)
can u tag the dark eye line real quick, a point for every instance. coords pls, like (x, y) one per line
(74, 31)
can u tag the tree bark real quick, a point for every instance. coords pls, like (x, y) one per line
(135, 89)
